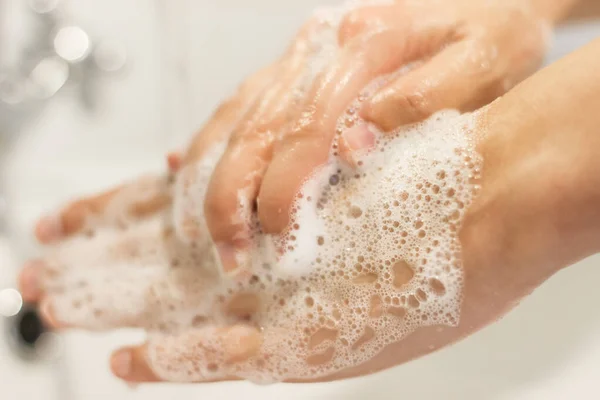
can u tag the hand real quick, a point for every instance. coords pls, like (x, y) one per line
(536, 212)
(458, 54)
(205, 327)
(146, 197)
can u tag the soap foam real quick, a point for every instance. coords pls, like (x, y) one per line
(371, 255)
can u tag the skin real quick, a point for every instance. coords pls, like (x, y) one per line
(527, 124)
(537, 211)
(275, 141)
(467, 55)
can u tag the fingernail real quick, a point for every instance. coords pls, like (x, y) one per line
(228, 257)
(29, 281)
(49, 229)
(358, 138)
(121, 363)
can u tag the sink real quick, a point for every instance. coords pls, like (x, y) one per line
(549, 347)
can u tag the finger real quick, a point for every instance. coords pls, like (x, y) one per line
(366, 19)
(307, 146)
(130, 364)
(132, 201)
(354, 141)
(29, 281)
(48, 316)
(188, 218)
(205, 355)
(174, 161)
(73, 218)
(34, 278)
(237, 177)
(462, 76)
(92, 300)
(226, 117)
(123, 283)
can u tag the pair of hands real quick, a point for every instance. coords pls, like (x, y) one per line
(466, 54)
(463, 55)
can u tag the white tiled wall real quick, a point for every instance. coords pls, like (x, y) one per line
(185, 55)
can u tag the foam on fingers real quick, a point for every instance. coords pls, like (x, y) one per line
(207, 354)
(371, 254)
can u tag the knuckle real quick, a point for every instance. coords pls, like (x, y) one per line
(482, 55)
(400, 106)
(416, 103)
(237, 139)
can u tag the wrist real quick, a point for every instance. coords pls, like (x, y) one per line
(539, 204)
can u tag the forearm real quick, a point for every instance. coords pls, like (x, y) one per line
(540, 146)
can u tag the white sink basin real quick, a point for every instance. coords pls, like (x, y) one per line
(549, 348)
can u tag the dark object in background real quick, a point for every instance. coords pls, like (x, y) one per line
(25, 331)
(29, 327)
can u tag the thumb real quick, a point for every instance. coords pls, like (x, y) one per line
(459, 77)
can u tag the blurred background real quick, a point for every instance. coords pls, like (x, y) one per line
(96, 92)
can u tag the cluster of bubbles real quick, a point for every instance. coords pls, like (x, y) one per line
(371, 255)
